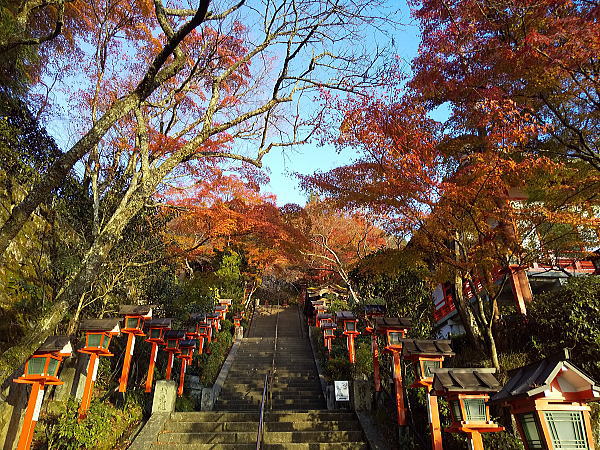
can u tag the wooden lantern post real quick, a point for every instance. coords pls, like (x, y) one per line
(135, 315)
(349, 323)
(323, 318)
(394, 330)
(549, 402)
(222, 313)
(156, 336)
(186, 348)
(426, 356)
(98, 333)
(328, 335)
(172, 338)
(41, 369)
(373, 312)
(467, 392)
(214, 319)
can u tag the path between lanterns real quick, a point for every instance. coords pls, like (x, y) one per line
(299, 419)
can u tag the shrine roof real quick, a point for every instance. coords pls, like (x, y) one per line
(345, 315)
(476, 379)
(535, 378)
(187, 343)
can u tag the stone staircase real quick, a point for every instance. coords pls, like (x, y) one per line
(298, 419)
(283, 430)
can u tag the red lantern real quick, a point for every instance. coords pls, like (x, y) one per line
(173, 338)
(156, 336)
(350, 329)
(98, 333)
(41, 369)
(186, 348)
(135, 315)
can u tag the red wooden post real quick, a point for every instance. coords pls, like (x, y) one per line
(350, 344)
(151, 364)
(350, 324)
(169, 366)
(41, 369)
(376, 374)
(90, 379)
(400, 407)
(181, 377)
(127, 362)
(475, 441)
(434, 422)
(31, 416)
(200, 344)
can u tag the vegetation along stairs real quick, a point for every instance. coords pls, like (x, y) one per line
(298, 419)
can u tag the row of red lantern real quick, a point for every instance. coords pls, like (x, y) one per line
(542, 396)
(42, 367)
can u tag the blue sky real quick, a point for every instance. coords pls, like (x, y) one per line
(310, 157)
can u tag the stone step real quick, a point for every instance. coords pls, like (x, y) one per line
(359, 445)
(278, 437)
(225, 437)
(334, 425)
(175, 446)
(310, 415)
(214, 416)
(210, 427)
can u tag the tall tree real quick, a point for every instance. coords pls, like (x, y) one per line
(187, 97)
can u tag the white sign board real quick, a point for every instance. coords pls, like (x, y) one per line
(342, 391)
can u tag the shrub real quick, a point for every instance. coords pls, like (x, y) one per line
(101, 429)
(569, 317)
(210, 364)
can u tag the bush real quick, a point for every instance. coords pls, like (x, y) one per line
(101, 429)
(570, 317)
(210, 364)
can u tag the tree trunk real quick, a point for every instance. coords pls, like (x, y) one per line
(466, 316)
(491, 345)
(91, 265)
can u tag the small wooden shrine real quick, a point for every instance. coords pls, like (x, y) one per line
(98, 334)
(467, 392)
(41, 369)
(134, 318)
(156, 336)
(549, 402)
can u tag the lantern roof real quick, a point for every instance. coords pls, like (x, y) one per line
(220, 308)
(56, 344)
(474, 379)
(197, 317)
(538, 377)
(421, 347)
(213, 316)
(109, 325)
(392, 323)
(329, 326)
(345, 315)
(160, 323)
(375, 310)
(322, 316)
(175, 334)
(225, 301)
(136, 310)
(188, 343)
